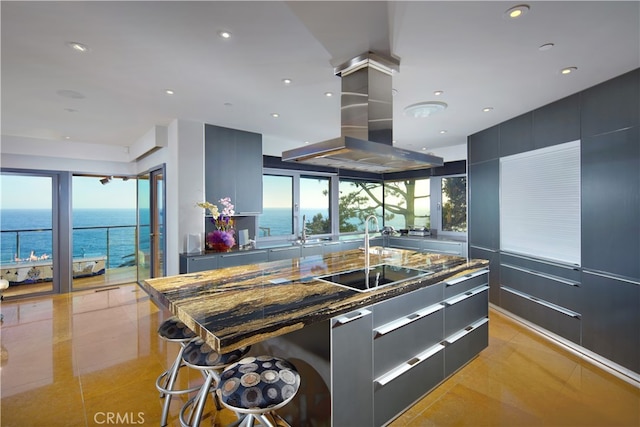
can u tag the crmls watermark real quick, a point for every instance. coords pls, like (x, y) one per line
(115, 418)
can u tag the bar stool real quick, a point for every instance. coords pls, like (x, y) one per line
(257, 387)
(199, 355)
(173, 330)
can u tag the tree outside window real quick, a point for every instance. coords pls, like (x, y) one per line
(454, 204)
(407, 203)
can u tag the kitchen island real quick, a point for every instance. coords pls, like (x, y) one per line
(377, 350)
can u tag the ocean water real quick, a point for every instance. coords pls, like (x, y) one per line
(117, 242)
(278, 220)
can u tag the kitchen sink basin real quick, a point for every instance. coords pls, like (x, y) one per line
(379, 276)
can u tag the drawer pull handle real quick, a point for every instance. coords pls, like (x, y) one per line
(401, 369)
(466, 277)
(466, 331)
(404, 321)
(343, 320)
(458, 298)
(542, 302)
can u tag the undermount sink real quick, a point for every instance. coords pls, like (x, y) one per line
(379, 276)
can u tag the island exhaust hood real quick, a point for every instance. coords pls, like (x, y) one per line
(365, 143)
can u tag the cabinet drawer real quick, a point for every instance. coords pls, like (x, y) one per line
(554, 318)
(447, 248)
(311, 250)
(404, 305)
(464, 309)
(203, 263)
(400, 340)
(463, 346)
(464, 283)
(400, 388)
(558, 290)
(242, 258)
(398, 242)
(276, 254)
(352, 244)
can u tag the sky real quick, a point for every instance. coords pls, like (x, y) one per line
(33, 192)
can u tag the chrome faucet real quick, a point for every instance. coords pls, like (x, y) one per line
(366, 241)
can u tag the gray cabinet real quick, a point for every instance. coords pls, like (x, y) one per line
(546, 294)
(611, 203)
(312, 249)
(516, 135)
(276, 254)
(405, 243)
(442, 247)
(232, 259)
(484, 203)
(195, 263)
(611, 319)
(493, 256)
(557, 123)
(611, 106)
(483, 146)
(352, 367)
(233, 168)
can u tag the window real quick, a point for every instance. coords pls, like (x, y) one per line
(314, 204)
(277, 214)
(453, 207)
(358, 200)
(540, 203)
(407, 203)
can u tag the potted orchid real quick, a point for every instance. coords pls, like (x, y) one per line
(221, 239)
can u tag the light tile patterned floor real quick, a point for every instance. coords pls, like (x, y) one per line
(91, 359)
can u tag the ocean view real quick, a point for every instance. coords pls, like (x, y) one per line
(36, 241)
(86, 242)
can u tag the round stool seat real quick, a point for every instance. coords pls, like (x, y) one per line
(258, 384)
(198, 354)
(173, 329)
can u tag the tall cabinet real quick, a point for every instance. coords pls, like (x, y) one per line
(233, 168)
(595, 305)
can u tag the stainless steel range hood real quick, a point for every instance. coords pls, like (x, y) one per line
(365, 143)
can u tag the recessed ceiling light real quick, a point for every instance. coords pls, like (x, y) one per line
(275, 115)
(443, 131)
(67, 137)
(487, 109)
(424, 148)
(228, 104)
(328, 94)
(394, 92)
(224, 34)
(287, 81)
(546, 46)
(78, 47)
(424, 109)
(568, 70)
(169, 92)
(438, 92)
(516, 11)
(306, 142)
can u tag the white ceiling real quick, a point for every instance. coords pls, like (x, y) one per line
(115, 93)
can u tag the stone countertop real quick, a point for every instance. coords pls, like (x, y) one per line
(238, 306)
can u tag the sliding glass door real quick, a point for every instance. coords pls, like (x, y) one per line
(151, 225)
(28, 232)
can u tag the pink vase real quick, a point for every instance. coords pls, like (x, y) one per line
(220, 241)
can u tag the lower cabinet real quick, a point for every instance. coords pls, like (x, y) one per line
(611, 319)
(546, 294)
(442, 247)
(232, 259)
(276, 254)
(193, 264)
(352, 364)
(378, 360)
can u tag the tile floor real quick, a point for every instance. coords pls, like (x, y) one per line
(91, 359)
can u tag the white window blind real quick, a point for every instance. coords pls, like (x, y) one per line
(540, 203)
